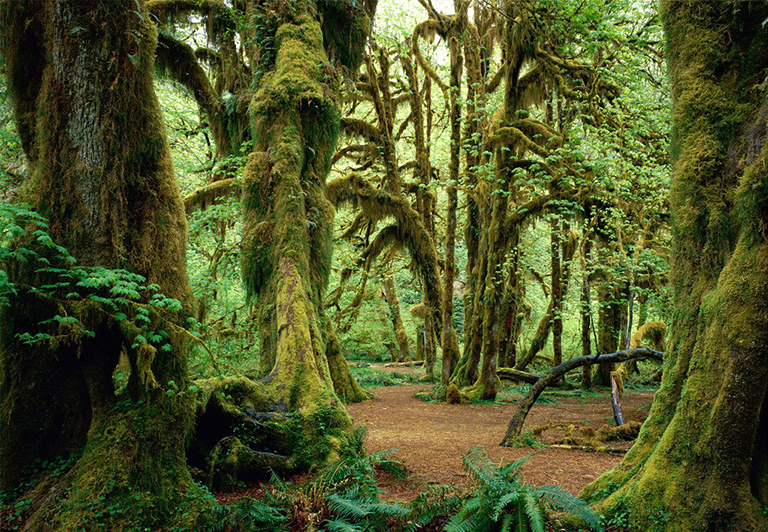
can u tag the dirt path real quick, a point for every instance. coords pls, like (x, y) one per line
(431, 437)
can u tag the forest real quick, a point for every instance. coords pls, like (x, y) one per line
(384, 265)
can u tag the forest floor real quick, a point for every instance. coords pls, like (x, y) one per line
(430, 437)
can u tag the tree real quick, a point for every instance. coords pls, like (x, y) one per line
(287, 233)
(701, 459)
(100, 171)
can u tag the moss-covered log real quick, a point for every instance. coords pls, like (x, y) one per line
(101, 172)
(700, 457)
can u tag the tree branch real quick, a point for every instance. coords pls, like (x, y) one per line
(516, 423)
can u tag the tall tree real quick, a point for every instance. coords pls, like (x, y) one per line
(101, 172)
(288, 219)
(702, 456)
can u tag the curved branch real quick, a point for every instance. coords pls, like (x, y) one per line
(354, 127)
(200, 198)
(427, 29)
(517, 375)
(409, 229)
(520, 214)
(220, 19)
(512, 136)
(516, 423)
(177, 61)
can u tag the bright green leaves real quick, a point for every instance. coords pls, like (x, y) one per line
(77, 290)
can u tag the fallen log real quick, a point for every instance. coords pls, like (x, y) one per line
(513, 374)
(516, 423)
(407, 364)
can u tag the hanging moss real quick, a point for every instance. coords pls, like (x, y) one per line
(346, 26)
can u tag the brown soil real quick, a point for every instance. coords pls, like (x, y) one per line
(430, 437)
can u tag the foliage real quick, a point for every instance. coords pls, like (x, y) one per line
(502, 501)
(123, 295)
(344, 496)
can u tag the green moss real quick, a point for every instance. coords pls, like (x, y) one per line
(690, 468)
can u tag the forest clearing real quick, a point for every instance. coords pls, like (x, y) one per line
(381, 265)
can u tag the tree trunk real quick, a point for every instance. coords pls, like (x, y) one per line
(608, 327)
(288, 222)
(557, 294)
(450, 347)
(101, 172)
(390, 294)
(701, 456)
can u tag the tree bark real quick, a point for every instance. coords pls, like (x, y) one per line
(101, 172)
(700, 456)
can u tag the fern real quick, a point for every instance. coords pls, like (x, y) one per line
(533, 512)
(502, 501)
(563, 500)
(434, 505)
(340, 526)
(351, 509)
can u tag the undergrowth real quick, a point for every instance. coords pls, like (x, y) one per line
(345, 497)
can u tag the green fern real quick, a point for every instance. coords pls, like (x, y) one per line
(503, 502)
(432, 507)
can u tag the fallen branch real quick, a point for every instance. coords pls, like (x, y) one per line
(404, 364)
(516, 423)
(587, 449)
(513, 374)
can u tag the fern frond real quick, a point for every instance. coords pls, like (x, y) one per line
(533, 512)
(563, 500)
(507, 522)
(347, 508)
(478, 522)
(479, 467)
(514, 470)
(501, 504)
(396, 468)
(387, 509)
(340, 526)
(436, 501)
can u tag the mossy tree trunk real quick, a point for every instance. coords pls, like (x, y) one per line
(701, 456)
(450, 347)
(609, 324)
(101, 172)
(557, 294)
(390, 295)
(288, 221)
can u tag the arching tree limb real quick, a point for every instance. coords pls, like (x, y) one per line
(516, 423)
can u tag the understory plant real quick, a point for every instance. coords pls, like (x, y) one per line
(343, 497)
(504, 502)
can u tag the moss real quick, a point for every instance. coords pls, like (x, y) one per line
(288, 237)
(346, 26)
(101, 173)
(694, 457)
(651, 333)
(452, 395)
